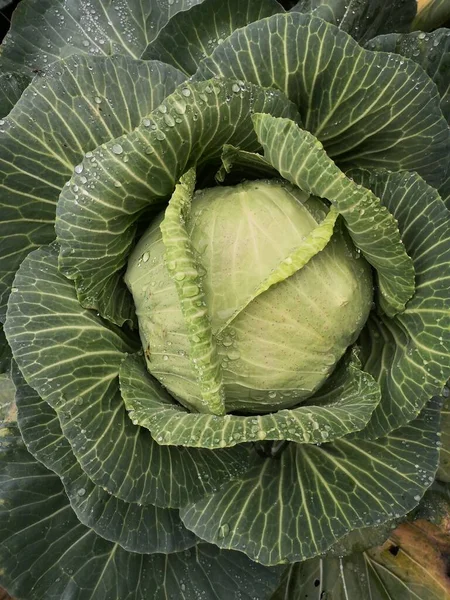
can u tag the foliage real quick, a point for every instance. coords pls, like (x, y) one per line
(431, 14)
(224, 270)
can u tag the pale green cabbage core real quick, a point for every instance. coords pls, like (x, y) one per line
(278, 347)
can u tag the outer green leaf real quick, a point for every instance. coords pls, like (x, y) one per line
(431, 14)
(295, 507)
(47, 554)
(443, 472)
(431, 51)
(366, 107)
(250, 164)
(190, 127)
(182, 267)
(435, 505)
(351, 395)
(444, 191)
(5, 352)
(78, 105)
(410, 355)
(8, 412)
(387, 573)
(303, 161)
(363, 19)
(11, 88)
(43, 31)
(191, 35)
(363, 539)
(72, 357)
(144, 529)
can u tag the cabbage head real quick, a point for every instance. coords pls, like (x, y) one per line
(224, 275)
(275, 296)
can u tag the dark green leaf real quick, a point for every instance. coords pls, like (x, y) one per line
(431, 51)
(44, 31)
(444, 191)
(72, 358)
(363, 19)
(11, 88)
(443, 472)
(435, 505)
(367, 108)
(5, 352)
(79, 104)
(409, 355)
(363, 539)
(295, 507)
(47, 554)
(144, 529)
(193, 34)
(250, 164)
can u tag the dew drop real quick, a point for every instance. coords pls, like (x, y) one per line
(224, 530)
(191, 290)
(169, 120)
(117, 149)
